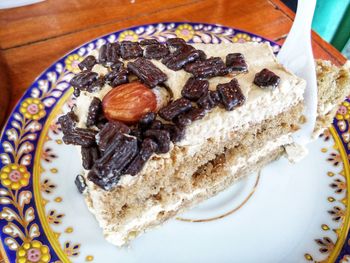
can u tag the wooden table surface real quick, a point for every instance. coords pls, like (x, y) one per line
(33, 37)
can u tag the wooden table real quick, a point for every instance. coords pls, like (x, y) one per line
(33, 37)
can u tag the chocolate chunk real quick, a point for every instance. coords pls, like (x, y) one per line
(108, 133)
(176, 133)
(147, 120)
(266, 78)
(192, 115)
(88, 63)
(109, 53)
(84, 79)
(176, 43)
(148, 147)
(117, 77)
(79, 136)
(106, 183)
(68, 122)
(235, 62)
(156, 51)
(156, 125)
(208, 68)
(95, 109)
(76, 92)
(147, 72)
(181, 57)
(118, 154)
(202, 55)
(195, 88)
(175, 108)
(161, 137)
(231, 94)
(80, 183)
(118, 65)
(209, 100)
(146, 42)
(89, 156)
(130, 50)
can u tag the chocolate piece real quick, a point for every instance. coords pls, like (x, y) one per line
(235, 62)
(95, 109)
(108, 133)
(79, 136)
(176, 133)
(208, 68)
(147, 120)
(162, 138)
(181, 57)
(76, 92)
(176, 43)
(80, 183)
(118, 154)
(130, 50)
(89, 156)
(88, 63)
(84, 79)
(156, 125)
(192, 115)
(156, 51)
(106, 183)
(147, 72)
(150, 41)
(266, 78)
(109, 53)
(118, 65)
(231, 94)
(195, 88)
(68, 122)
(175, 108)
(209, 100)
(117, 77)
(202, 55)
(148, 147)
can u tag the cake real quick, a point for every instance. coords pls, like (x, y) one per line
(162, 127)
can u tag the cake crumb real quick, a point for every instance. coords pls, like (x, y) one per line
(295, 152)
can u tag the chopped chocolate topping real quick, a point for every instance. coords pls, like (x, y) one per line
(84, 79)
(80, 183)
(68, 122)
(147, 120)
(118, 154)
(235, 62)
(95, 109)
(147, 72)
(175, 108)
(231, 94)
(117, 77)
(108, 133)
(176, 43)
(109, 53)
(148, 147)
(130, 50)
(118, 65)
(89, 156)
(192, 115)
(176, 133)
(79, 136)
(88, 63)
(156, 125)
(202, 55)
(208, 68)
(156, 51)
(195, 88)
(162, 138)
(266, 78)
(209, 100)
(181, 57)
(150, 41)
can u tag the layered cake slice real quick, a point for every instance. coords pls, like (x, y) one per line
(162, 127)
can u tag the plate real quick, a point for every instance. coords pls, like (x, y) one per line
(286, 213)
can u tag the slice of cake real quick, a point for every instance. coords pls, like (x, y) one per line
(162, 127)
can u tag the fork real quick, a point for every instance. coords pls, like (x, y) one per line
(296, 55)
